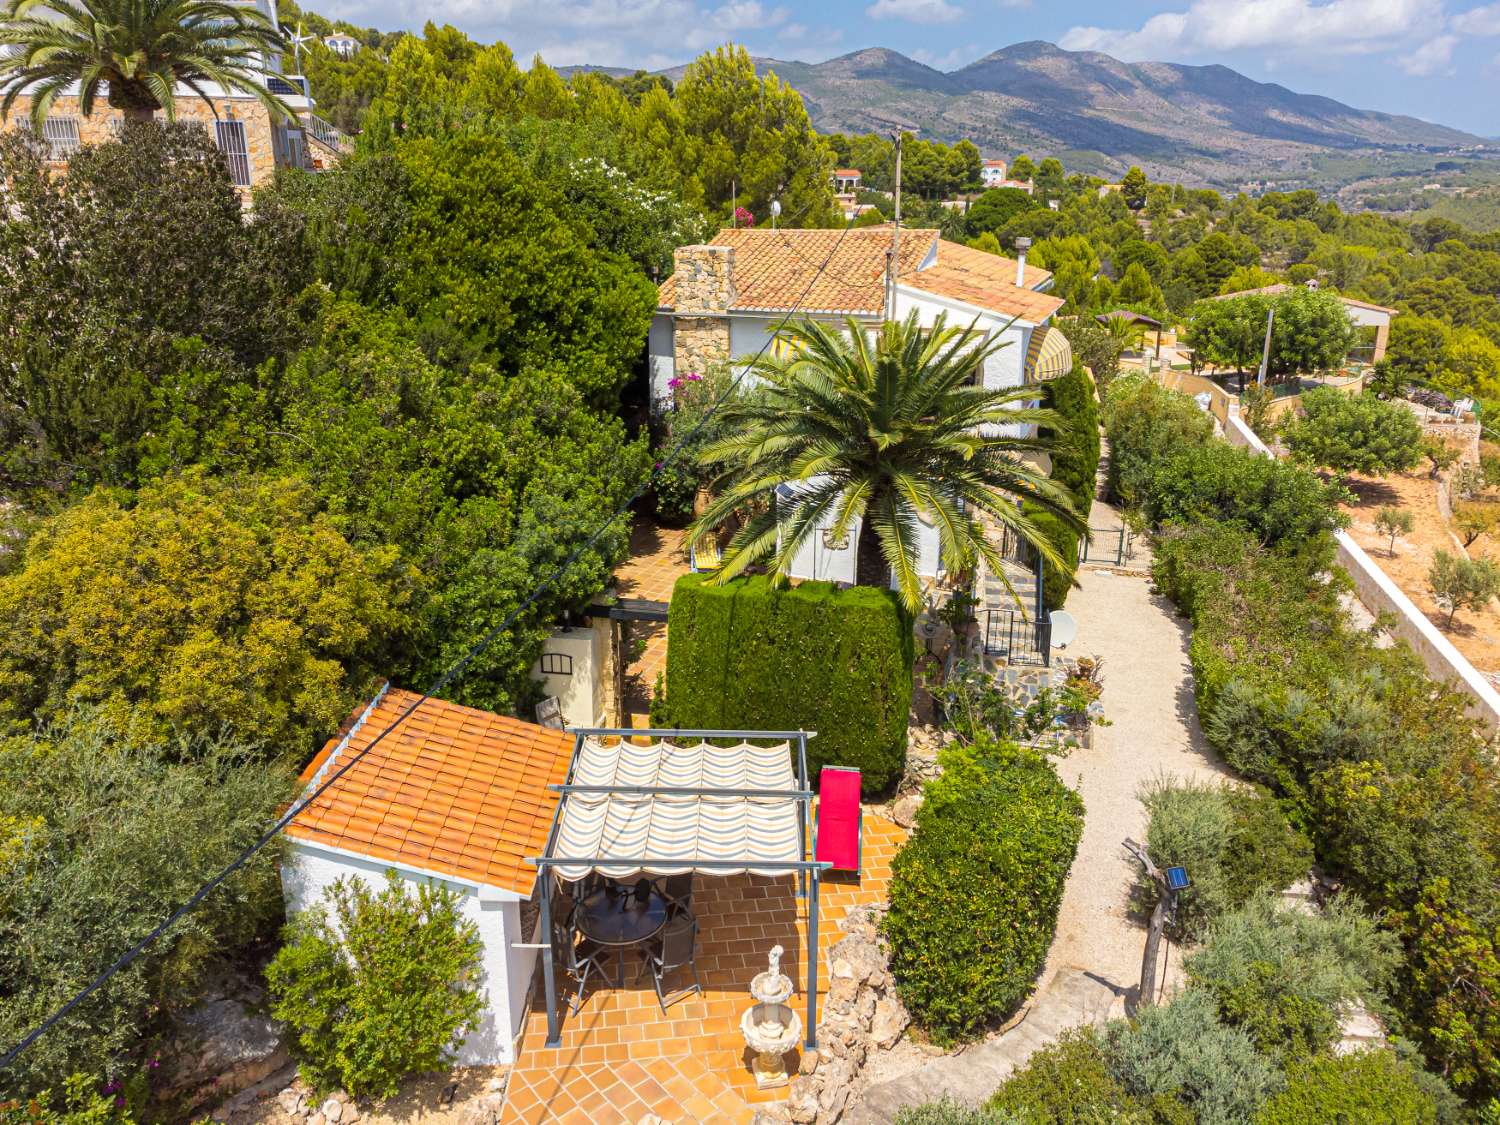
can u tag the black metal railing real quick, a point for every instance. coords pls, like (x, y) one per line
(1020, 638)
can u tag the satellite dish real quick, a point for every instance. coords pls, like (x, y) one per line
(1064, 628)
(775, 206)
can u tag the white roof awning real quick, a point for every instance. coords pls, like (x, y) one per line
(680, 803)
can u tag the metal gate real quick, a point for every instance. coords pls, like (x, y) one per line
(1017, 637)
(1107, 546)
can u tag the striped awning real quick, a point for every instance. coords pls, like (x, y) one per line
(1048, 356)
(657, 808)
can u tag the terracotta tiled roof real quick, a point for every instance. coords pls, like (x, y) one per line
(985, 280)
(452, 790)
(774, 269)
(845, 173)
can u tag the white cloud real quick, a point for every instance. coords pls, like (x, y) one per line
(947, 60)
(1212, 27)
(1478, 21)
(924, 11)
(1433, 57)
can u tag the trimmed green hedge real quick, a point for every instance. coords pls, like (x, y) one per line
(975, 892)
(1056, 583)
(1075, 461)
(749, 655)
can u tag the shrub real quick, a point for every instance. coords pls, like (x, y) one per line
(947, 1112)
(1056, 581)
(1233, 842)
(1363, 1088)
(1391, 522)
(201, 605)
(1143, 422)
(389, 986)
(1354, 433)
(975, 892)
(1181, 1050)
(747, 655)
(1284, 975)
(104, 831)
(1068, 1082)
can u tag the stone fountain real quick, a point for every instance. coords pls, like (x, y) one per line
(771, 1028)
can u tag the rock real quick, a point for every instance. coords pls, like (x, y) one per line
(496, 1084)
(859, 956)
(904, 811)
(317, 1119)
(445, 1099)
(843, 985)
(221, 1048)
(835, 1089)
(351, 1115)
(802, 1100)
(483, 1111)
(890, 1021)
(290, 1100)
(332, 1110)
(866, 1008)
(771, 1115)
(809, 1063)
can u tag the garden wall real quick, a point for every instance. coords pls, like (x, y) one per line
(1381, 595)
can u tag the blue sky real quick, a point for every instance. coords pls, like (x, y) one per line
(1437, 59)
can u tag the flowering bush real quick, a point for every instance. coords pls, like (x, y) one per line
(687, 419)
(743, 218)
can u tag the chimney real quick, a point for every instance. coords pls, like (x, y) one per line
(705, 280)
(1023, 244)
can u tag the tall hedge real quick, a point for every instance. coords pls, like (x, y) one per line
(1075, 460)
(749, 655)
(975, 892)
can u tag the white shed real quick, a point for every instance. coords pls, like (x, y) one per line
(453, 795)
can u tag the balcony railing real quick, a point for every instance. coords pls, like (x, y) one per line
(327, 134)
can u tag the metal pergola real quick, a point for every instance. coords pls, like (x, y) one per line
(806, 870)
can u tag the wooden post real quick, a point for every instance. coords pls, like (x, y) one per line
(1154, 929)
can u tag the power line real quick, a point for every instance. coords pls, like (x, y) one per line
(438, 685)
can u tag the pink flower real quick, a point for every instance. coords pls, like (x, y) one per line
(742, 215)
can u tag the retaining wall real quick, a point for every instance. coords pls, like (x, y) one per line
(1381, 595)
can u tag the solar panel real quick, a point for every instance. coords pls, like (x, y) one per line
(1177, 879)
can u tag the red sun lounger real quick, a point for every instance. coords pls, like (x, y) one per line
(840, 818)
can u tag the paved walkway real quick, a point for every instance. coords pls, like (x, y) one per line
(1094, 962)
(658, 558)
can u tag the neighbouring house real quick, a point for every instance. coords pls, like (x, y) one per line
(454, 796)
(254, 141)
(1372, 321)
(1109, 189)
(342, 44)
(992, 173)
(725, 299)
(845, 181)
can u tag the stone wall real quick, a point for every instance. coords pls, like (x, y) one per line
(104, 123)
(704, 280)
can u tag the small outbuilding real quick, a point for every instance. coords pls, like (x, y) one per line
(452, 795)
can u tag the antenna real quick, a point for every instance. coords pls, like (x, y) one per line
(775, 210)
(895, 259)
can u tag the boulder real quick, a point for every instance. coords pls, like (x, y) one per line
(317, 1119)
(904, 811)
(222, 1047)
(290, 1101)
(332, 1111)
(890, 1021)
(802, 1100)
(809, 1063)
(771, 1115)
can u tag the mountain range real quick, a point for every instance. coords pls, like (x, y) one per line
(1204, 125)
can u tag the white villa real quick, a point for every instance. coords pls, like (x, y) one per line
(992, 173)
(725, 299)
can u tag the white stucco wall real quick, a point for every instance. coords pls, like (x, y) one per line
(581, 694)
(1006, 368)
(307, 873)
(661, 356)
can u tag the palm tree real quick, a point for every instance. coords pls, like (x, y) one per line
(884, 427)
(139, 50)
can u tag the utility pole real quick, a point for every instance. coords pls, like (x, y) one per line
(895, 268)
(1168, 883)
(734, 204)
(1265, 353)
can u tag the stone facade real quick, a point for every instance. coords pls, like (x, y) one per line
(705, 293)
(266, 142)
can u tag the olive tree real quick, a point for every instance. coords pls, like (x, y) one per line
(1354, 433)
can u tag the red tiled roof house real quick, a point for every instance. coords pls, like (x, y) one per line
(455, 796)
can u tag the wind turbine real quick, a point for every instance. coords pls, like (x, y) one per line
(297, 40)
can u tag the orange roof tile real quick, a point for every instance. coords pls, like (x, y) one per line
(845, 173)
(452, 790)
(1281, 287)
(987, 280)
(774, 270)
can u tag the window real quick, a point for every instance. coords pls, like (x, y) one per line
(61, 135)
(230, 137)
(556, 664)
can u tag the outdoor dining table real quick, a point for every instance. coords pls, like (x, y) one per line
(618, 919)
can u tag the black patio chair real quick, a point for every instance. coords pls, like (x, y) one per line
(678, 891)
(578, 956)
(675, 948)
